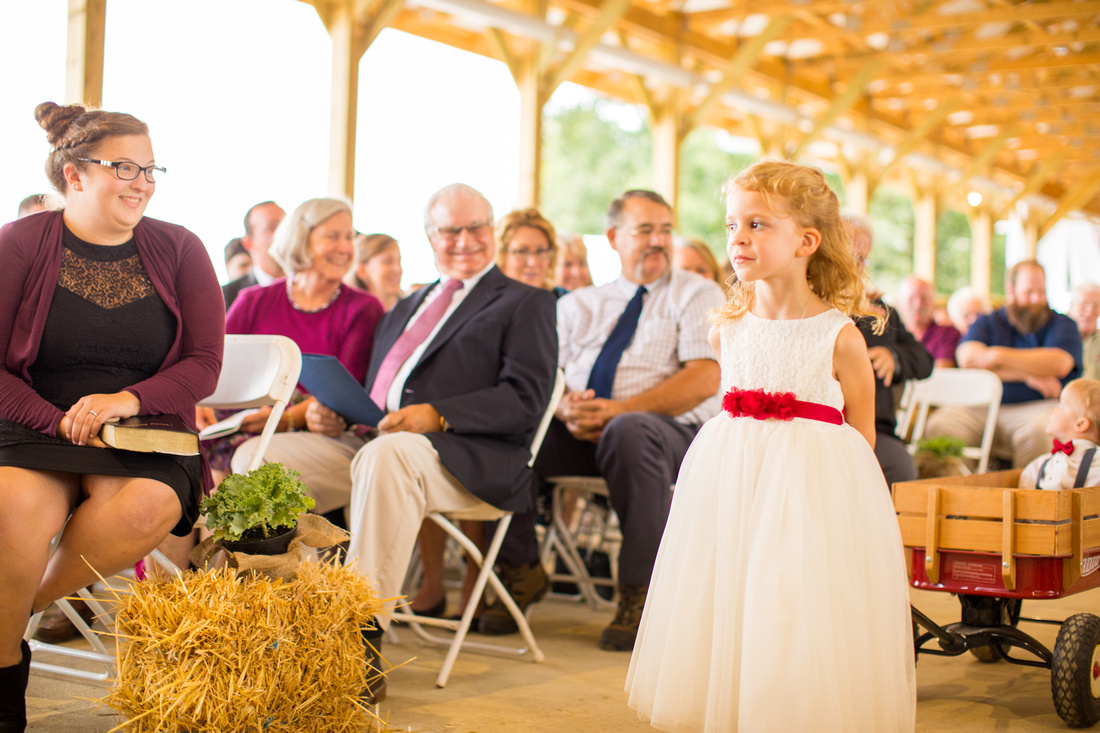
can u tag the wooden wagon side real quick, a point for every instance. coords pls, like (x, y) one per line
(1016, 542)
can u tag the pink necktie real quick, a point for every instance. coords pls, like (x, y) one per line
(407, 343)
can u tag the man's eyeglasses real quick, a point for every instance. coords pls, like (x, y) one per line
(542, 254)
(452, 234)
(645, 231)
(129, 171)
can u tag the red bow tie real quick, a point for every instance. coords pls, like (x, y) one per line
(1059, 446)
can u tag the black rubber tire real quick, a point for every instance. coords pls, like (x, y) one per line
(1075, 665)
(987, 654)
(1010, 616)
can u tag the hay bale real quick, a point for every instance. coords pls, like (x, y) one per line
(220, 651)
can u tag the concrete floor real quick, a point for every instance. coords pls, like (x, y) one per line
(580, 688)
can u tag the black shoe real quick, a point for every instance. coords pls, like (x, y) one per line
(57, 628)
(620, 635)
(526, 584)
(435, 611)
(13, 693)
(375, 691)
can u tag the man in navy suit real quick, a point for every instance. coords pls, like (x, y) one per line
(260, 223)
(463, 394)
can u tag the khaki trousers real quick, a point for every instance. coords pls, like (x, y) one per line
(1020, 433)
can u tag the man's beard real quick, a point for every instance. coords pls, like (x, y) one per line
(1028, 319)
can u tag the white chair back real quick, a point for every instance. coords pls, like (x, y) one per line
(960, 388)
(257, 370)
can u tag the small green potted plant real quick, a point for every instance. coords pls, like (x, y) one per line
(256, 513)
(940, 456)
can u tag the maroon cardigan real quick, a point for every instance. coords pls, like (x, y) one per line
(180, 270)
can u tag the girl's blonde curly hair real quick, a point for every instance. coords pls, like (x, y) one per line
(832, 272)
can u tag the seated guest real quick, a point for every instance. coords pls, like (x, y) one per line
(916, 303)
(237, 259)
(311, 306)
(641, 379)
(1074, 424)
(896, 356)
(464, 369)
(695, 256)
(259, 229)
(572, 270)
(1034, 351)
(527, 249)
(33, 204)
(964, 307)
(1084, 309)
(104, 314)
(377, 268)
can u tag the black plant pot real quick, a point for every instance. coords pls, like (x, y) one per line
(276, 545)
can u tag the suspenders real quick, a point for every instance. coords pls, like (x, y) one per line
(1082, 470)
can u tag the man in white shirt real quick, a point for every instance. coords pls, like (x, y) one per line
(631, 419)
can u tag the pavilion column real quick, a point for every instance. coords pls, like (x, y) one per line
(530, 80)
(927, 212)
(84, 52)
(856, 170)
(667, 136)
(1030, 221)
(345, 99)
(981, 247)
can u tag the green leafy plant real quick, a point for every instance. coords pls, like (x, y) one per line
(256, 505)
(942, 447)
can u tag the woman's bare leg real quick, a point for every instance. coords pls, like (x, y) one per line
(35, 505)
(475, 530)
(119, 523)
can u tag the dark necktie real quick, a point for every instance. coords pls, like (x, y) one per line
(602, 376)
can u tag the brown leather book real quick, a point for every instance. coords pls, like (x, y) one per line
(151, 434)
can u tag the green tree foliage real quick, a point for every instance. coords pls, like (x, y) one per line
(704, 167)
(892, 218)
(588, 159)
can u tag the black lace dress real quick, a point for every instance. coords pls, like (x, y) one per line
(107, 329)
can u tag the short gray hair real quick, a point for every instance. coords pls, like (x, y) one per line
(453, 190)
(1084, 289)
(290, 246)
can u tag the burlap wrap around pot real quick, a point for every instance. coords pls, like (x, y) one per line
(313, 531)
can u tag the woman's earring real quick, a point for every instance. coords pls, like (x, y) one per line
(76, 187)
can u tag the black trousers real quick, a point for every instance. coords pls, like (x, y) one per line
(639, 455)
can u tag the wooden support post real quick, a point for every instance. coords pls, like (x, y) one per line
(345, 99)
(1008, 539)
(927, 211)
(84, 52)
(932, 535)
(856, 171)
(981, 247)
(532, 98)
(667, 118)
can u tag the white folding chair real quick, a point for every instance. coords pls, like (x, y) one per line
(592, 527)
(257, 370)
(486, 575)
(959, 388)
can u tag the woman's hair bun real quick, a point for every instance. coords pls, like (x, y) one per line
(55, 119)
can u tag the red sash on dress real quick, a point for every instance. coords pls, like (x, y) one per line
(761, 405)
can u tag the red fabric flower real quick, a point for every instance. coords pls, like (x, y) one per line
(758, 404)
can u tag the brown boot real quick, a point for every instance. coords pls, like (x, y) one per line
(526, 584)
(57, 628)
(375, 691)
(620, 635)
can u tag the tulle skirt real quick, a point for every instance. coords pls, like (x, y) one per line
(779, 599)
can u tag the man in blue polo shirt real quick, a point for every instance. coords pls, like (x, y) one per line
(1034, 351)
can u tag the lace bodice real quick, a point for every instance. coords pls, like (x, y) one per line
(784, 356)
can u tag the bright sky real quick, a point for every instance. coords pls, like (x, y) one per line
(236, 96)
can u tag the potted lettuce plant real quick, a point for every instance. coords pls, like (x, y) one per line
(257, 513)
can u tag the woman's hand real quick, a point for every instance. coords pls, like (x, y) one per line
(82, 422)
(204, 417)
(255, 422)
(320, 419)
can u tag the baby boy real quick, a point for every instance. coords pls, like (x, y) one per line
(1075, 426)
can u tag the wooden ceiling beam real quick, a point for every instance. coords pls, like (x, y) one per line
(739, 63)
(1033, 183)
(1074, 199)
(609, 14)
(914, 138)
(856, 86)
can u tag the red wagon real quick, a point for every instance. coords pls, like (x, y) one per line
(995, 546)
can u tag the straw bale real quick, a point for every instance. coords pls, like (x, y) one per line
(225, 651)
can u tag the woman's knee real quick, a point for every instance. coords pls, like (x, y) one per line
(150, 509)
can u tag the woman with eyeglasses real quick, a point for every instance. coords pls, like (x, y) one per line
(527, 248)
(104, 314)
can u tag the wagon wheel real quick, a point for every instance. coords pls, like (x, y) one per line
(1075, 671)
(1010, 616)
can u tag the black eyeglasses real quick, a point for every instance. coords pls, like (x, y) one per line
(127, 171)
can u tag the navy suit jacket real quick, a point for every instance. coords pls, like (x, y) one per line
(489, 371)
